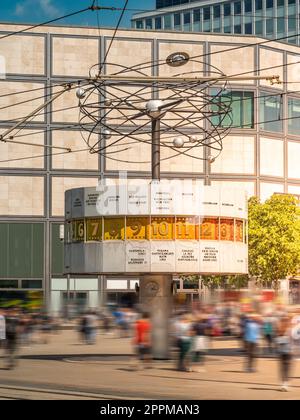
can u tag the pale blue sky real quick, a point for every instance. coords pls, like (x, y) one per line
(37, 11)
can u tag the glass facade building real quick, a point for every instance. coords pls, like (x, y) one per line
(272, 19)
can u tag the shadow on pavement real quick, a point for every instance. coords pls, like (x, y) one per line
(266, 389)
(223, 381)
(77, 357)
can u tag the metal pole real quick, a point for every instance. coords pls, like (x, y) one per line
(68, 298)
(155, 149)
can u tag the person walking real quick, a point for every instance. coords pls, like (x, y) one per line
(91, 327)
(199, 343)
(284, 349)
(142, 340)
(252, 335)
(2, 330)
(12, 333)
(268, 331)
(184, 341)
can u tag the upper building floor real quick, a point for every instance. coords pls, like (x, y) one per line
(271, 19)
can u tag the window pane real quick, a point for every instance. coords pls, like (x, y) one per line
(177, 20)
(270, 112)
(197, 15)
(248, 28)
(227, 25)
(280, 26)
(258, 4)
(258, 27)
(241, 106)
(248, 112)
(158, 23)
(237, 8)
(248, 6)
(220, 109)
(227, 9)
(8, 284)
(269, 26)
(32, 284)
(292, 9)
(148, 23)
(22, 250)
(217, 11)
(237, 29)
(292, 25)
(187, 21)
(206, 13)
(139, 24)
(134, 284)
(168, 22)
(294, 116)
(116, 284)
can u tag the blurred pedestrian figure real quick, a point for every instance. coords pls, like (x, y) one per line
(268, 332)
(45, 328)
(199, 344)
(243, 322)
(106, 323)
(295, 325)
(252, 336)
(125, 324)
(12, 332)
(82, 327)
(184, 340)
(284, 349)
(142, 340)
(2, 330)
(119, 320)
(91, 327)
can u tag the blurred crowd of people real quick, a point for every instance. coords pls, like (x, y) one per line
(272, 332)
(18, 328)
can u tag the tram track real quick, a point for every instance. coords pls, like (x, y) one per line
(16, 392)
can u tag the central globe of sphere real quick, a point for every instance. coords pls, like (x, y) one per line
(153, 105)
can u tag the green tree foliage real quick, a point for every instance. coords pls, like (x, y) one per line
(274, 239)
(225, 282)
(218, 282)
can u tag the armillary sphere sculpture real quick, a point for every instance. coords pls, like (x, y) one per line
(181, 113)
(122, 107)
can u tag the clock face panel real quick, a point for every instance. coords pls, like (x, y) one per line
(152, 288)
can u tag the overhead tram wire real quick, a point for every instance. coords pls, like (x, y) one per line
(92, 7)
(247, 45)
(86, 149)
(235, 75)
(196, 56)
(47, 22)
(150, 63)
(75, 85)
(114, 34)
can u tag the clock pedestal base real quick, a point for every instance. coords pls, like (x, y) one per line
(156, 297)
